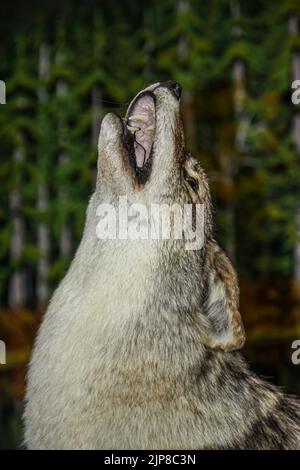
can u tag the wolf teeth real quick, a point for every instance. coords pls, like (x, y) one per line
(149, 128)
(138, 117)
(133, 129)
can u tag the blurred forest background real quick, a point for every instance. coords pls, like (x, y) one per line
(65, 65)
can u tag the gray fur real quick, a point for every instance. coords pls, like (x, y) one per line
(121, 360)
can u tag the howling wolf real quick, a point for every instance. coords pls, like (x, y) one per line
(138, 347)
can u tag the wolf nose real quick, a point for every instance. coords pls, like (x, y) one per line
(174, 87)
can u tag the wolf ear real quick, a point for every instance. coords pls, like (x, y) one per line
(224, 328)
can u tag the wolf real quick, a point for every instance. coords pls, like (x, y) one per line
(139, 347)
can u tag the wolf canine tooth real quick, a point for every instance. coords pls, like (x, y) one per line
(138, 117)
(149, 128)
(133, 129)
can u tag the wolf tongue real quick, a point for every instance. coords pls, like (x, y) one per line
(143, 144)
(141, 123)
(140, 154)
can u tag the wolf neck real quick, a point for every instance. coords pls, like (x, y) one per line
(146, 316)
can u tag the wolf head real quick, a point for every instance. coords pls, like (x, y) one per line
(143, 157)
(142, 153)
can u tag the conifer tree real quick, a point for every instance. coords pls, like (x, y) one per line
(43, 151)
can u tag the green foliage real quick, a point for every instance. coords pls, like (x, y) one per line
(116, 48)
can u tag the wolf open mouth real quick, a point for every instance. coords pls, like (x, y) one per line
(139, 133)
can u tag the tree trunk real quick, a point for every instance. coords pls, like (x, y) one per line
(293, 26)
(148, 47)
(230, 162)
(2, 92)
(65, 242)
(17, 287)
(187, 98)
(43, 235)
(97, 98)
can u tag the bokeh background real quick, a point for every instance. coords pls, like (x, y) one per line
(65, 65)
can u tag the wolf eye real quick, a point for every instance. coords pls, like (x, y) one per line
(192, 182)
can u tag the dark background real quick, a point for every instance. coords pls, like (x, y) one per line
(65, 65)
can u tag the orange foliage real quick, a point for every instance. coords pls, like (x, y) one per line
(17, 330)
(271, 314)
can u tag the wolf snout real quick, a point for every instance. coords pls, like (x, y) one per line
(173, 86)
(111, 126)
